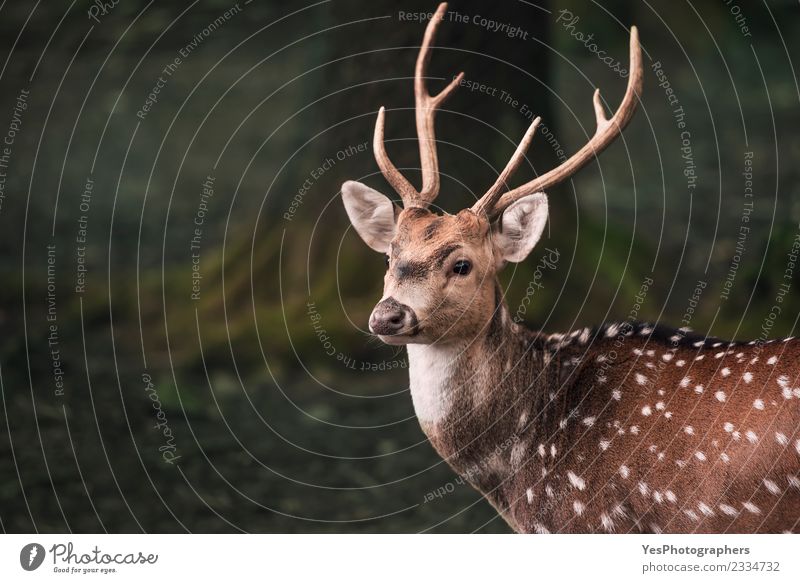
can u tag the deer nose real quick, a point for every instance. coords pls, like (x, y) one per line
(390, 318)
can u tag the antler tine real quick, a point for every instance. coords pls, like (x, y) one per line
(393, 176)
(425, 110)
(489, 200)
(607, 131)
(426, 106)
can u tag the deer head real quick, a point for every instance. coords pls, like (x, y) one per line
(440, 282)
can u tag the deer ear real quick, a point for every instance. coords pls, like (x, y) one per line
(520, 227)
(372, 214)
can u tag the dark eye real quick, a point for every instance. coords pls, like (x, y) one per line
(462, 267)
(387, 261)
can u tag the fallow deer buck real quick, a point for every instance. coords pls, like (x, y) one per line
(618, 428)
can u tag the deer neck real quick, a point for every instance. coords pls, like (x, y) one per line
(458, 384)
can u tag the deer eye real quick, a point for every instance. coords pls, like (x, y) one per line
(387, 261)
(462, 267)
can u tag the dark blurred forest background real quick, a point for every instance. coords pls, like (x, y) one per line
(274, 415)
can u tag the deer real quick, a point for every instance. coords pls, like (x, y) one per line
(622, 427)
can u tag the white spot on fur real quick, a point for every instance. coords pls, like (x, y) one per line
(701, 357)
(643, 488)
(772, 486)
(720, 396)
(578, 507)
(666, 357)
(725, 457)
(728, 509)
(635, 429)
(698, 389)
(576, 480)
(660, 406)
(692, 515)
(758, 404)
(680, 362)
(671, 497)
(529, 494)
(604, 444)
(616, 394)
(589, 421)
(748, 377)
(752, 508)
(646, 410)
(728, 426)
(725, 371)
(705, 509)
(685, 381)
(700, 455)
(751, 436)
(540, 528)
(772, 360)
(640, 378)
(689, 430)
(607, 522)
(781, 438)
(624, 471)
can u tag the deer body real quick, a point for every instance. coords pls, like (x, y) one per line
(599, 431)
(623, 428)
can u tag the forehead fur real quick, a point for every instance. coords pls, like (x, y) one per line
(421, 226)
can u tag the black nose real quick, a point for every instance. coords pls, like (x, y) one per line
(390, 317)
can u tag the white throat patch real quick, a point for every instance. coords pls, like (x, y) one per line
(430, 373)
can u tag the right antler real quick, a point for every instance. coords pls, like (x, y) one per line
(492, 203)
(426, 106)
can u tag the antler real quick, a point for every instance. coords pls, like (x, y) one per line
(426, 106)
(492, 203)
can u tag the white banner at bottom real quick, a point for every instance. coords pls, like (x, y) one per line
(356, 558)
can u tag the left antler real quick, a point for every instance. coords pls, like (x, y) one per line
(426, 106)
(493, 203)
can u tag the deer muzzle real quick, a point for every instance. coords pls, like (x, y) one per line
(391, 319)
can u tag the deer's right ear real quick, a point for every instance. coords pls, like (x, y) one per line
(373, 215)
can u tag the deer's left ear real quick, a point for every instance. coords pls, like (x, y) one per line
(519, 229)
(373, 215)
